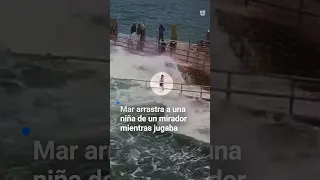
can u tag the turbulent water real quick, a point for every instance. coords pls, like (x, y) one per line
(170, 155)
(180, 155)
(51, 97)
(66, 103)
(268, 150)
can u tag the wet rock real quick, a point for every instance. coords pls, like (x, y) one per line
(195, 76)
(270, 47)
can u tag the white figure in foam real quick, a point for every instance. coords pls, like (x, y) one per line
(161, 83)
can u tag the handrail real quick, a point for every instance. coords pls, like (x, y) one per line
(292, 97)
(202, 63)
(155, 44)
(107, 60)
(184, 60)
(269, 75)
(201, 91)
(79, 58)
(183, 84)
(151, 42)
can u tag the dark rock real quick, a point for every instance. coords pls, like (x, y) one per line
(195, 76)
(271, 46)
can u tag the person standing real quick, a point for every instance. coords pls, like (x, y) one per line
(133, 29)
(161, 32)
(143, 33)
(139, 29)
(161, 81)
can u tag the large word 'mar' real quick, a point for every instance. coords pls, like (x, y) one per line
(51, 152)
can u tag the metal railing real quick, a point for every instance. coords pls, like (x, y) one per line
(269, 75)
(191, 57)
(154, 43)
(36, 56)
(292, 97)
(47, 56)
(179, 87)
(228, 90)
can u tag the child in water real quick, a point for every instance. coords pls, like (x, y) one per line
(161, 82)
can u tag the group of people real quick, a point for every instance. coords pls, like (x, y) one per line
(139, 29)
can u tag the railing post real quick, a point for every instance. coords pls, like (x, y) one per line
(201, 92)
(292, 94)
(146, 83)
(181, 88)
(228, 86)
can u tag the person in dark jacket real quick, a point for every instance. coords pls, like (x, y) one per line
(133, 29)
(161, 32)
(139, 29)
(143, 33)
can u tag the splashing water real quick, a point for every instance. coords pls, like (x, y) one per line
(154, 149)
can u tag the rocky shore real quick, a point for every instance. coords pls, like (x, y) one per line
(195, 76)
(266, 46)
